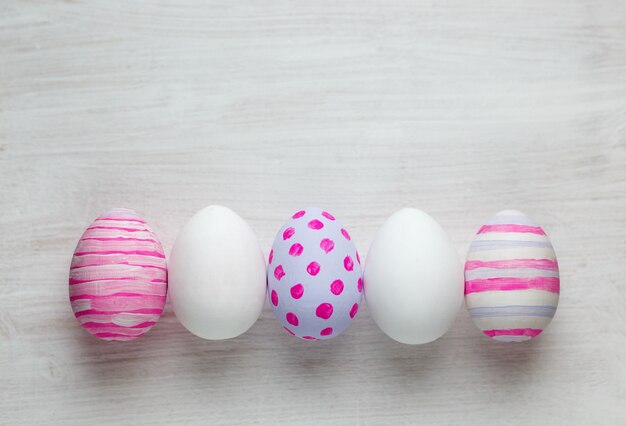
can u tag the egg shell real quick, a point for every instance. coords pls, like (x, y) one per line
(217, 275)
(314, 276)
(512, 280)
(118, 277)
(413, 278)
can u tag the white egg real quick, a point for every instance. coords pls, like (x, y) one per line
(413, 278)
(217, 275)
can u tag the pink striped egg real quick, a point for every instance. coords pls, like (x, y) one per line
(118, 277)
(511, 278)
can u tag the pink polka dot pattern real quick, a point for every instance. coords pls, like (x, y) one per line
(288, 233)
(279, 272)
(354, 310)
(118, 277)
(348, 263)
(313, 277)
(316, 224)
(296, 249)
(336, 287)
(324, 311)
(292, 319)
(327, 245)
(313, 268)
(296, 291)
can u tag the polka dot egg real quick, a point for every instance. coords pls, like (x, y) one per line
(314, 276)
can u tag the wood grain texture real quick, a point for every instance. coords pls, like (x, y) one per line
(363, 107)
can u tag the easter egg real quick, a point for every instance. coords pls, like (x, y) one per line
(118, 277)
(217, 275)
(413, 278)
(314, 276)
(511, 278)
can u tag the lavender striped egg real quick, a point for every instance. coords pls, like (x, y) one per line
(314, 276)
(511, 278)
(118, 277)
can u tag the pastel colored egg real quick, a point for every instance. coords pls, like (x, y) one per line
(314, 276)
(413, 278)
(217, 275)
(511, 278)
(118, 277)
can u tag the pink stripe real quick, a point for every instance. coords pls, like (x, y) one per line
(93, 325)
(138, 252)
(120, 239)
(110, 233)
(121, 219)
(511, 228)
(136, 332)
(123, 304)
(112, 271)
(123, 311)
(120, 274)
(117, 227)
(550, 284)
(547, 264)
(116, 296)
(131, 332)
(129, 319)
(117, 263)
(74, 281)
(104, 288)
(532, 332)
(144, 279)
(115, 335)
(123, 245)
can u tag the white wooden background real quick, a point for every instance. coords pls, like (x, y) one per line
(459, 108)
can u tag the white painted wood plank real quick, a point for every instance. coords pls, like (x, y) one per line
(363, 107)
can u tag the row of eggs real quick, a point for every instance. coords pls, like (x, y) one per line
(218, 280)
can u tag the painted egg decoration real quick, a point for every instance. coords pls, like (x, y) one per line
(314, 276)
(118, 277)
(511, 278)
